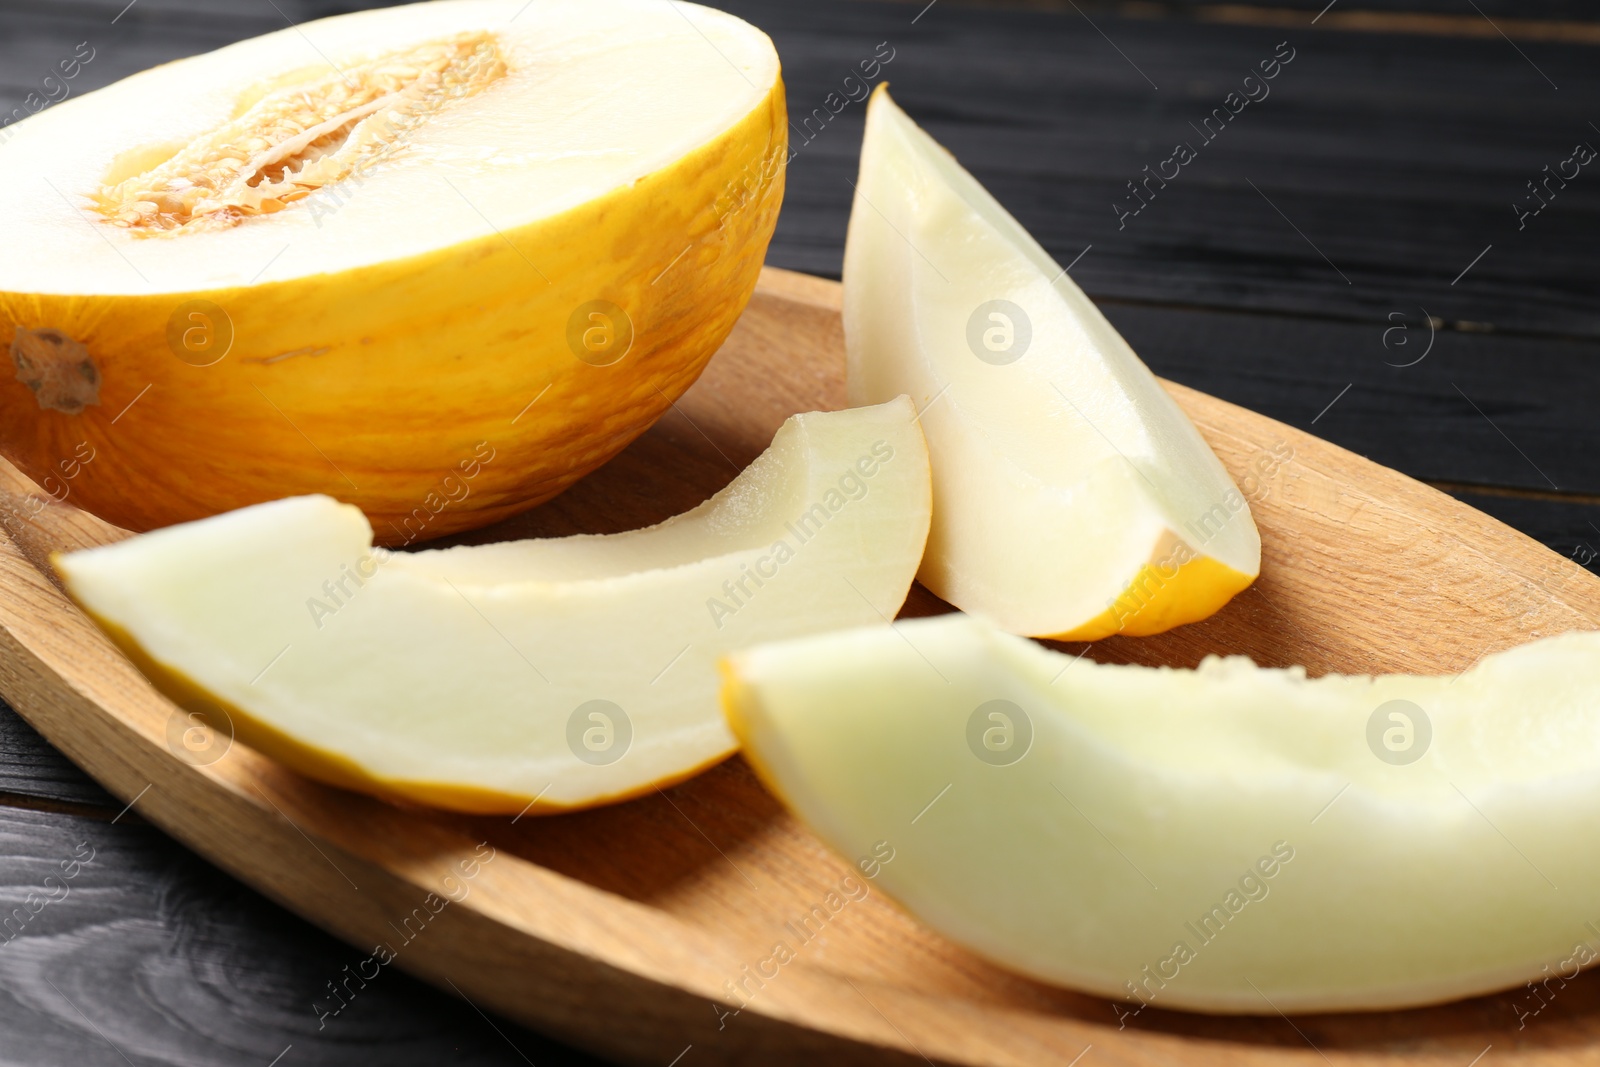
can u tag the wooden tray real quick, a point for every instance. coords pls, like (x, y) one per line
(617, 930)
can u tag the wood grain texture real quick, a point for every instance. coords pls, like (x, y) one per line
(148, 955)
(1470, 408)
(30, 768)
(1397, 155)
(618, 929)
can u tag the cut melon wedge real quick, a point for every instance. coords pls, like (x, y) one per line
(358, 255)
(559, 673)
(1229, 839)
(1072, 498)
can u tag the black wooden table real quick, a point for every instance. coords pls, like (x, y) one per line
(1358, 251)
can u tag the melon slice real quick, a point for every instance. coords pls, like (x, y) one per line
(557, 673)
(1072, 498)
(1230, 839)
(359, 255)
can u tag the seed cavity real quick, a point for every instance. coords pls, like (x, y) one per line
(299, 138)
(58, 369)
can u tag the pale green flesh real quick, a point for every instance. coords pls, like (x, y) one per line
(1147, 795)
(1056, 475)
(598, 95)
(462, 667)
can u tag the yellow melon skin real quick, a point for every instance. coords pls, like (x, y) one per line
(404, 387)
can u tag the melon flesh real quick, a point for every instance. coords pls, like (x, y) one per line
(558, 673)
(1230, 839)
(534, 109)
(1072, 497)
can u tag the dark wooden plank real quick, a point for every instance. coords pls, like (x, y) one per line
(148, 956)
(1568, 527)
(1481, 409)
(1543, 10)
(1397, 155)
(1476, 414)
(30, 767)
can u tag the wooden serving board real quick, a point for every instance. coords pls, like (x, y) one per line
(618, 929)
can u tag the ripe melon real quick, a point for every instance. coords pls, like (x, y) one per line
(437, 261)
(1232, 839)
(1073, 498)
(541, 675)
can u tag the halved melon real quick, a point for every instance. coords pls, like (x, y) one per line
(438, 260)
(558, 673)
